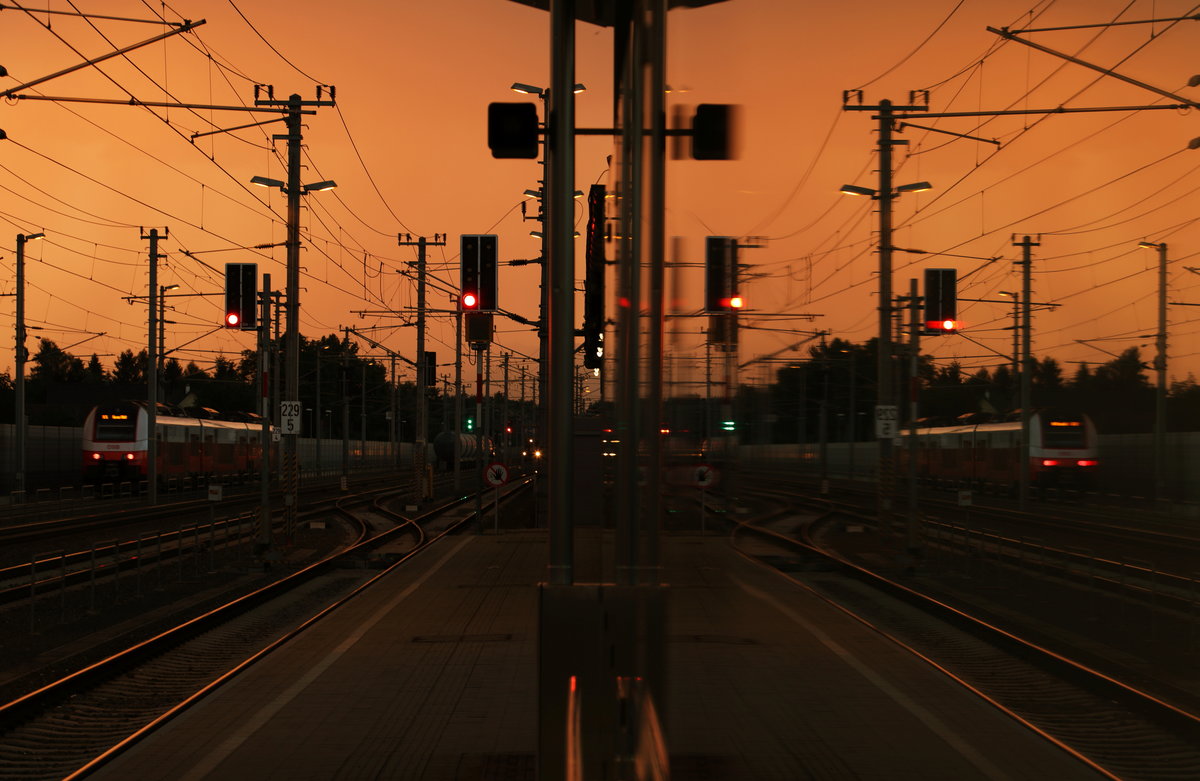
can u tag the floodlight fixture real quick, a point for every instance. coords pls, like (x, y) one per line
(263, 181)
(853, 189)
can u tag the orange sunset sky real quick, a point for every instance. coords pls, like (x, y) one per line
(407, 147)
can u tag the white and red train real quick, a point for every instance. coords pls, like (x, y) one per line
(203, 446)
(1063, 450)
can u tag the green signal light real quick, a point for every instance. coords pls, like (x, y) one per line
(727, 425)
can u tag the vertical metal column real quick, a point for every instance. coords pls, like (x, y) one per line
(1026, 263)
(560, 209)
(914, 383)
(628, 359)
(1160, 390)
(152, 377)
(648, 569)
(265, 538)
(885, 395)
(19, 363)
(291, 463)
(458, 399)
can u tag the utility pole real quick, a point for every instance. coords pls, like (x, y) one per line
(914, 385)
(885, 394)
(458, 399)
(346, 411)
(1160, 394)
(295, 108)
(439, 240)
(265, 539)
(1160, 368)
(152, 371)
(21, 356)
(1026, 262)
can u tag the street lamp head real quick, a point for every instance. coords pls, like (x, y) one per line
(1149, 245)
(915, 187)
(263, 181)
(533, 193)
(526, 89)
(32, 236)
(170, 287)
(579, 88)
(318, 187)
(853, 189)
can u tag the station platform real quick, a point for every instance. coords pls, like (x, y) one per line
(433, 674)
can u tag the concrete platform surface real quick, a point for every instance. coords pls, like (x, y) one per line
(433, 675)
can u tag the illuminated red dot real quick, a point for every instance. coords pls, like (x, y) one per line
(231, 318)
(469, 300)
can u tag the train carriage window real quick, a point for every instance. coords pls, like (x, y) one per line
(116, 426)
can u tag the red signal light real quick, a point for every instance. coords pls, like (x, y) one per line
(469, 300)
(231, 319)
(737, 302)
(947, 326)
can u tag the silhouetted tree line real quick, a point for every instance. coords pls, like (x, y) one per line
(60, 388)
(835, 387)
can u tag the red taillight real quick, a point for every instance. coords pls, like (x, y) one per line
(1049, 462)
(96, 456)
(1087, 462)
(129, 456)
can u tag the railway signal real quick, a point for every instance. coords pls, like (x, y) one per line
(721, 273)
(477, 286)
(241, 296)
(593, 285)
(941, 301)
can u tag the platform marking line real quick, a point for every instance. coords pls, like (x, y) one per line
(268, 711)
(936, 725)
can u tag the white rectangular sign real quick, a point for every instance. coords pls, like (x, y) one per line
(289, 417)
(885, 421)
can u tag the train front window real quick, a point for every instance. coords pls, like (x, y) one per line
(112, 426)
(1063, 434)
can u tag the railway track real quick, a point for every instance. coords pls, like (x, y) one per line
(72, 725)
(1118, 728)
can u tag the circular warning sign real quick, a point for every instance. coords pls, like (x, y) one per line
(704, 475)
(496, 474)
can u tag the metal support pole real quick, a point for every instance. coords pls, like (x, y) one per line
(560, 211)
(458, 400)
(265, 538)
(1160, 391)
(320, 413)
(1026, 263)
(884, 394)
(152, 376)
(345, 412)
(20, 358)
(291, 463)
(362, 425)
(914, 385)
(479, 465)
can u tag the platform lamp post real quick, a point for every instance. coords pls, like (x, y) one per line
(885, 396)
(293, 189)
(1160, 368)
(20, 358)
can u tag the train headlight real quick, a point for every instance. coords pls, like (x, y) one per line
(96, 456)
(129, 456)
